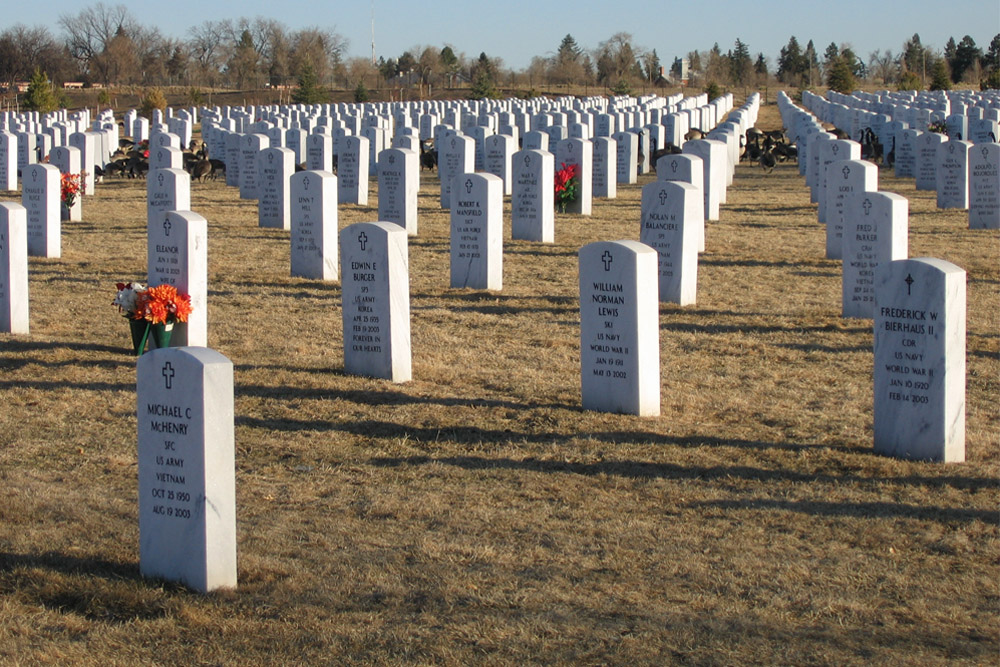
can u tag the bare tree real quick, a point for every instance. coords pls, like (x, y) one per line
(22, 49)
(882, 66)
(89, 33)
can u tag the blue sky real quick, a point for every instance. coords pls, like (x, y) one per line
(516, 30)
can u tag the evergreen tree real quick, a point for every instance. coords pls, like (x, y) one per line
(760, 66)
(790, 62)
(811, 67)
(840, 75)
(939, 76)
(39, 96)
(309, 90)
(967, 54)
(913, 55)
(992, 58)
(361, 93)
(740, 64)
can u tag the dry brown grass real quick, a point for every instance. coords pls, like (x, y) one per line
(477, 514)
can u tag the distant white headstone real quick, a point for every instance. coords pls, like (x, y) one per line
(844, 178)
(927, 161)
(477, 232)
(275, 167)
(352, 170)
(619, 328)
(984, 186)
(875, 232)
(671, 214)
(953, 174)
(67, 160)
(605, 167)
(398, 185)
(498, 150)
(187, 468)
(8, 161)
(250, 147)
(314, 225)
(920, 360)
(531, 210)
(319, 152)
(40, 195)
(580, 153)
(376, 300)
(686, 168)
(456, 156)
(627, 162)
(13, 268)
(178, 255)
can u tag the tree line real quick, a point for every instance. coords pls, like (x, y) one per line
(106, 45)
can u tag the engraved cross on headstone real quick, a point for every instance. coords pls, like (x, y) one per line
(867, 205)
(663, 197)
(362, 239)
(468, 186)
(168, 374)
(673, 166)
(305, 182)
(909, 283)
(846, 172)
(166, 227)
(607, 259)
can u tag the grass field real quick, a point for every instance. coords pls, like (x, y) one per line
(477, 514)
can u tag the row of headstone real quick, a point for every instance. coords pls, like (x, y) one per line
(945, 163)
(917, 305)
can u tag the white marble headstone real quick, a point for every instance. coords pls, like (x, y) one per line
(671, 215)
(187, 468)
(477, 232)
(67, 160)
(927, 149)
(8, 161)
(619, 328)
(498, 150)
(875, 231)
(398, 185)
(580, 153)
(532, 198)
(953, 174)
(275, 167)
(178, 255)
(844, 178)
(456, 155)
(627, 165)
(376, 300)
(352, 170)
(13, 268)
(984, 186)
(250, 147)
(605, 176)
(314, 225)
(920, 360)
(40, 196)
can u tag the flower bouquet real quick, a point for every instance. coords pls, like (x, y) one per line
(566, 184)
(151, 310)
(70, 189)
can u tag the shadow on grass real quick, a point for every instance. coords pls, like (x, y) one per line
(21, 346)
(644, 470)
(367, 397)
(855, 509)
(97, 589)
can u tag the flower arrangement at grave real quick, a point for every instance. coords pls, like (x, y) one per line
(144, 148)
(70, 188)
(566, 184)
(151, 310)
(938, 127)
